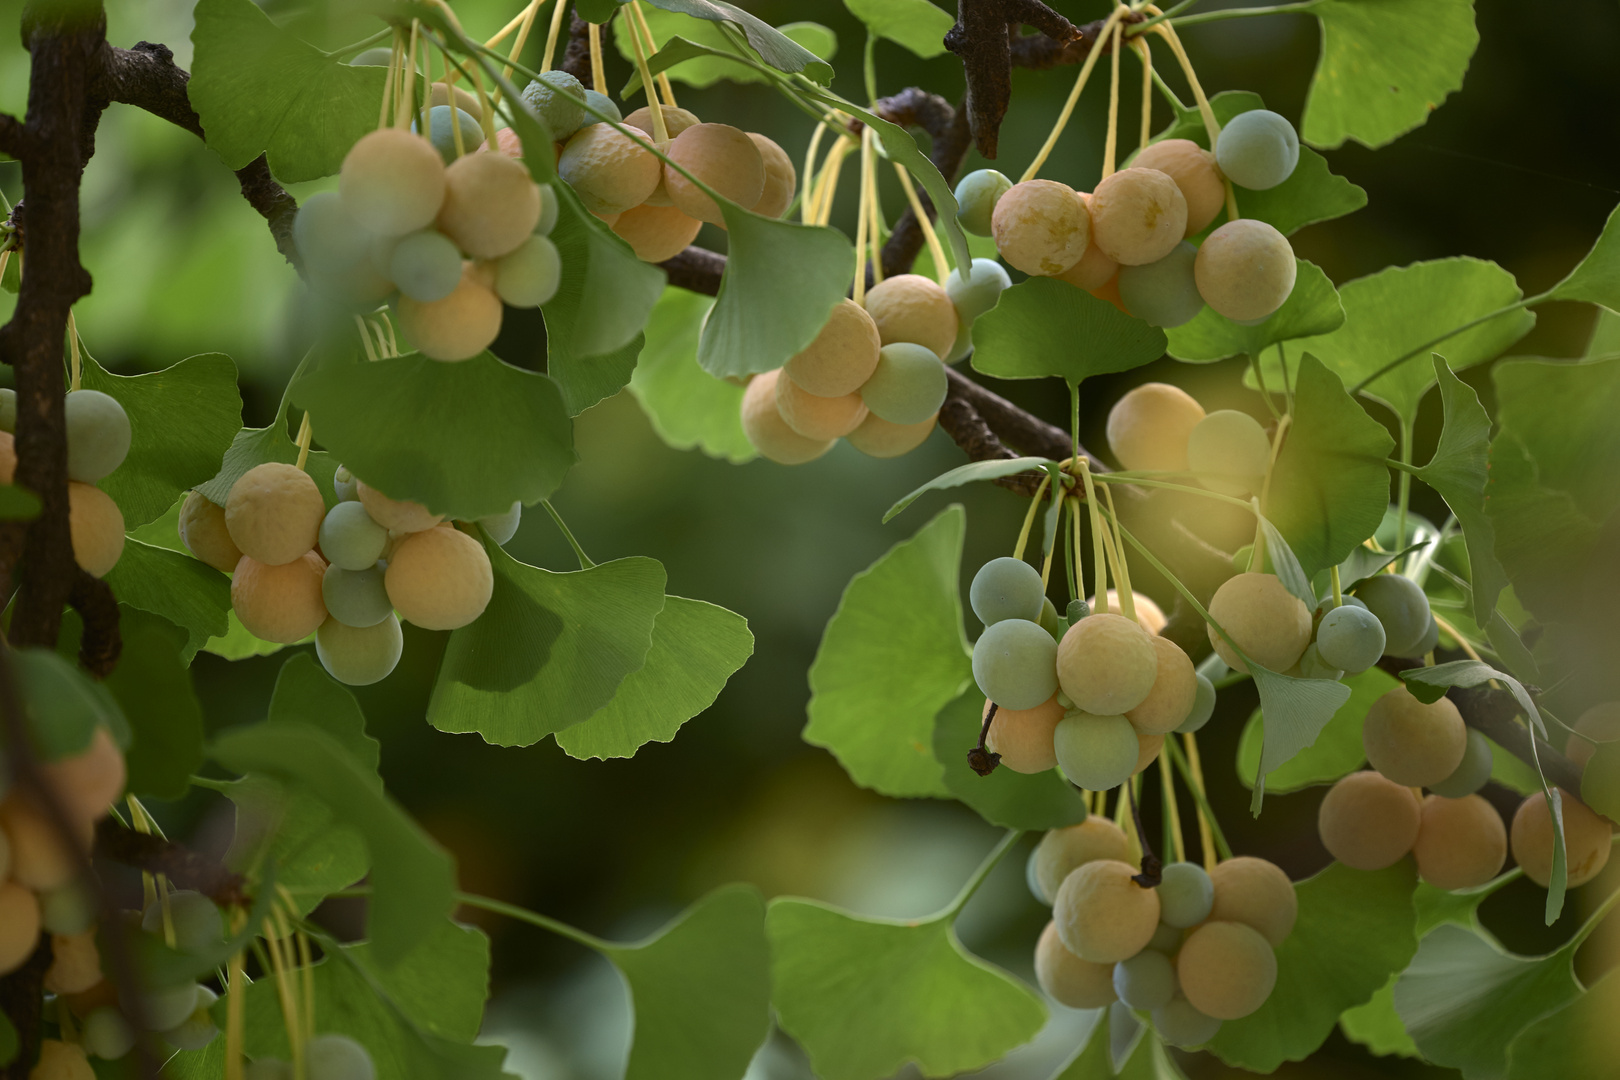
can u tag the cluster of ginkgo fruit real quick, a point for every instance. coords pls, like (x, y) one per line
(1131, 240)
(98, 441)
(341, 574)
(1193, 950)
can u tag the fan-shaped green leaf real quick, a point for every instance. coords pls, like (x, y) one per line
(1337, 750)
(918, 25)
(773, 46)
(1578, 1040)
(1312, 308)
(1295, 712)
(1043, 326)
(186, 592)
(688, 407)
(699, 54)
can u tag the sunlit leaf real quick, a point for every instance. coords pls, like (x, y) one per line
(773, 46)
(1295, 711)
(1576, 1041)
(688, 407)
(686, 48)
(1312, 308)
(918, 25)
(1377, 1026)
(967, 474)
(255, 446)
(1337, 750)
(1006, 798)
(1043, 326)
(1597, 278)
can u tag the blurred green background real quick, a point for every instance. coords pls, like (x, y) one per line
(1512, 169)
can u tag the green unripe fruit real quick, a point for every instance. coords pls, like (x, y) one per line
(555, 98)
(66, 911)
(1098, 753)
(529, 276)
(1146, 980)
(972, 296)
(1402, 608)
(602, 104)
(1186, 895)
(355, 597)
(1258, 149)
(443, 136)
(1202, 709)
(1228, 451)
(160, 1010)
(426, 266)
(328, 238)
(908, 386)
(1179, 1024)
(198, 1029)
(196, 922)
(1350, 638)
(976, 196)
(1472, 773)
(381, 56)
(502, 527)
(344, 485)
(106, 1034)
(337, 1057)
(360, 656)
(98, 435)
(350, 540)
(1163, 293)
(1014, 663)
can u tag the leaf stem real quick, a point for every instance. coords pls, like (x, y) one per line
(869, 67)
(1133, 479)
(971, 886)
(534, 918)
(1159, 17)
(1206, 815)
(1240, 13)
(1029, 518)
(1073, 99)
(585, 562)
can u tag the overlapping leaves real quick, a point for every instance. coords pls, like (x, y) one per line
(1043, 326)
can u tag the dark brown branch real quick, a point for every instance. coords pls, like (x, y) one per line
(576, 59)
(696, 270)
(1152, 868)
(947, 129)
(101, 643)
(982, 37)
(981, 759)
(183, 867)
(13, 136)
(1026, 433)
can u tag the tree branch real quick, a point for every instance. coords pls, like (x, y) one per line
(576, 58)
(982, 37)
(101, 642)
(13, 136)
(183, 867)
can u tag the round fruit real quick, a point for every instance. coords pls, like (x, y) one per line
(338, 1057)
(197, 1030)
(392, 182)
(1041, 227)
(1147, 750)
(602, 104)
(1228, 451)
(1460, 843)
(843, 355)
(203, 531)
(61, 1061)
(908, 385)
(425, 265)
(607, 170)
(1368, 822)
(274, 512)
(1064, 850)
(1104, 916)
(1471, 774)
(1175, 688)
(443, 136)
(193, 917)
(96, 527)
(976, 196)
(1350, 638)
(1179, 1024)
(1149, 427)
(1267, 622)
(1245, 270)
(98, 434)
(1023, 737)
(1203, 707)
(1600, 723)
(1013, 663)
(279, 603)
(502, 527)
(972, 296)
(355, 598)
(878, 438)
(1412, 743)
(1187, 895)
(107, 1034)
(19, 925)
(344, 485)
(360, 656)
(90, 781)
(1193, 169)
(1138, 216)
(1587, 839)
(1107, 664)
(781, 179)
(1401, 608)
(439, 579)
(491, 205)
(1257, 149)
(1149, 616)
(1166, 939)
(1163, 293)
(766, 429)
(911, 308)
(656, 233)
(1146, 980)
(1069, 980)
(1257, 893)
(396, 515)
(1227, 970)
(725, 159)
(550, 209)
(675, 121)
(160, 1009)
(75, 963)
(555, 98)
(442, 94)
(818, 417)
(1006, 588)
(1097, 753)
(350, 539)
(68, 910)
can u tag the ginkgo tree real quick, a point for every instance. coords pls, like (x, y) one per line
(141, 523)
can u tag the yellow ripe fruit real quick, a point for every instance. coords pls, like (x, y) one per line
(1106, 664)
(818, 417)
(491, 205)
(1412, 743)
(1226, 970)
(1174, 688)
(8, 457)
(1147, 750)
(1368, 822)
(781, 179)
(1069, 980)
(1195, 173)
(96, 526)
(763, 424)
(75, 964)
(1245, 270)
(279, 603)
(1257, 893)
(656, 233)
(439, 579)
(1460, 843)
(1267, 621)
(1095, 269)
(1601, 723)
(1148, 428)
(1041, 227)
(89, 782)
(1138, 216)
(1102, 915)
(39, 860)
(608, 171)
(910, 307)
(721, 156)
(675, 121)
(203, 531)
(1023, 737)
(1586, 839)
(1064, 850)
(395, 515)
(1149, 616)
(1228, 451)
(877, 437)
(843, 355)
(61, 1061)
(19, 925)
(392, 182)
(461, 325)
(465, 101)
(273, 513)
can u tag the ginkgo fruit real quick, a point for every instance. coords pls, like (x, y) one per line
(1187, 895)
(491, 205)
(1095, 268)
(1013, 664)
(1064, 850)
(96, 526)
(818, 417)
(972, 296)
(1227, 970)
(781, 179)
(1041, 227)
(1146, 980)
(443, 135)
(396, 515)
(1069, 980)
(1097, 753)
(1228, 451)
(425, 265)
(61, 1061)
(392, 182)
(203, 531)
(1149, 616)
(1257, 893)
(1163, 292)
(355, 597)
(912, 308)
(878, 438)
(350, 538)
(1258, 149)
(1174, 689)
(338, 1057)
(39, 859)
(1401, 608)
(1413, 743)
(656, 233)
(1138, 216)
(1194, 171)
(360, 656)
(19, 925)
(106, 1034)
(1006, 588)
(842, 356)
(1368, 821)
(1460, 843)
(1023, 737)
(75, 963)
(279, 603)
(1245, 270)
(273, 513)
(1104, 916)
(1588, 839)
(908, 385)
(439, 579)
(724, 159)
(1599, 724)
(607, 170)
(1180, 1024)
(1147, 749)
(1107, 664)
(1149, 427)
(458, 327)
(1266, 621)
(676, 120)
(555, 98)
(768, 432)
(976, 196)
(1472, 773)
(98, 434)
(87, 783)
